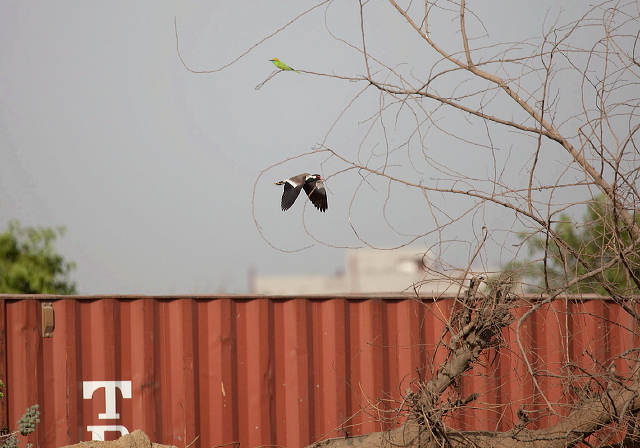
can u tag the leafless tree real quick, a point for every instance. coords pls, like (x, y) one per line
(545, 126)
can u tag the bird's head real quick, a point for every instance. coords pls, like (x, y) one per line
(314, 177)
(274, 60)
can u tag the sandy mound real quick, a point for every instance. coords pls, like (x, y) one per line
(136, 439)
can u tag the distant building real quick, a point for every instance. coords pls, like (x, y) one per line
(368, 271)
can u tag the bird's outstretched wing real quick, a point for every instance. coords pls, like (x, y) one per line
(290, 195)
(317, 195)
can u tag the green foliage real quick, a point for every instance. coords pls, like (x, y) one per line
(595, 243)
(29, 263)
(26, 425)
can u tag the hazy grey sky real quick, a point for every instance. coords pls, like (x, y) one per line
(151, 168)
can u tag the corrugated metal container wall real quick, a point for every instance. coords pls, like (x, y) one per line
(272, 371)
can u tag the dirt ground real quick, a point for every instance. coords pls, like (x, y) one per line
(136, 439)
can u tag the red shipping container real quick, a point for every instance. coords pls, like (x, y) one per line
(284, 371)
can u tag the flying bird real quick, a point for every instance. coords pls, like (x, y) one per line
(281, 65)
(313, 185)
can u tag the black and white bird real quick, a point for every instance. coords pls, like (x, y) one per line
(313, 186)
